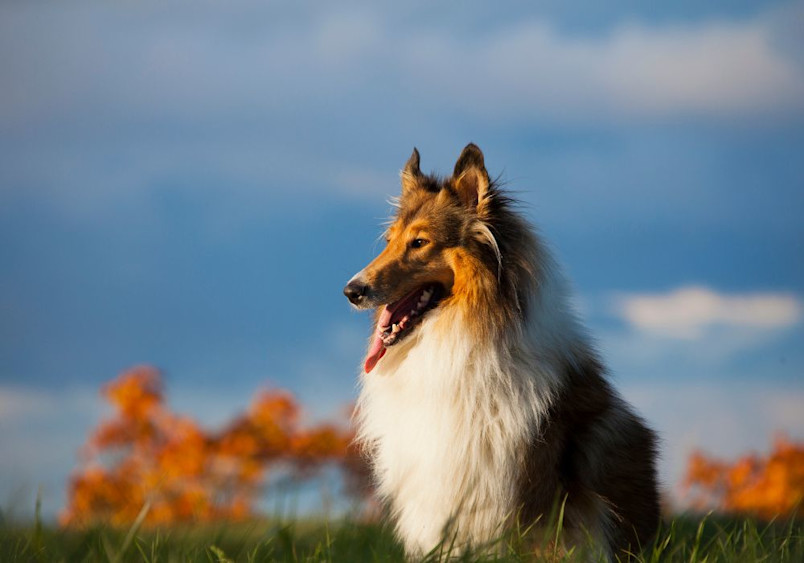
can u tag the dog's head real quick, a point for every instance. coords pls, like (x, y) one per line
(438, 245)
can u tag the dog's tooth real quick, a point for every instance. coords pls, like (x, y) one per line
(412, 312)
(395, 329)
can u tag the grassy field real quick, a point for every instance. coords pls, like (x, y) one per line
(685, 539)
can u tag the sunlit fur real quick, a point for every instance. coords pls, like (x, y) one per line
(495, 406)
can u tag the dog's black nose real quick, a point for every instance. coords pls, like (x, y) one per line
(355, 291)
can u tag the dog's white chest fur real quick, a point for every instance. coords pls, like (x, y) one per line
(447, 423)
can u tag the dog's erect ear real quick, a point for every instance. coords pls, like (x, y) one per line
(411, 173)
(470, 179)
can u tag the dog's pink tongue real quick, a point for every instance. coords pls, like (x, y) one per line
(376, 352)
(377, 349)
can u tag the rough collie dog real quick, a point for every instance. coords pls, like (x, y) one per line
(482, 401)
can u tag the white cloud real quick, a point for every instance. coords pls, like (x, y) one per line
(707, 370)
(529, 69)
(217, 64)
(257, 99)
(687, 311)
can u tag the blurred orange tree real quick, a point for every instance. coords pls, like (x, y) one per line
(147, 454)
(761, 486)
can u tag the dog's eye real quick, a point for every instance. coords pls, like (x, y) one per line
(418, 242)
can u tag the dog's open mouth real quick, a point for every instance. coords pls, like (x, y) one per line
(398, 320)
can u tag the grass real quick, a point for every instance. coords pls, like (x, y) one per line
(684, 539)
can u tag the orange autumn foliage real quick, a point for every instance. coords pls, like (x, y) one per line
(761, 486)
(147, 454)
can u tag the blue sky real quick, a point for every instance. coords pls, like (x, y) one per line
(190, 186)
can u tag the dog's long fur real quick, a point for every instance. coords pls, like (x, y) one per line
(496, 404)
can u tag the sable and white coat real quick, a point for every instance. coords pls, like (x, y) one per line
(495, 405)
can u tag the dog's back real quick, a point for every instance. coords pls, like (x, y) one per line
(481, 400)
(604, 459)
